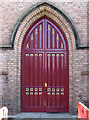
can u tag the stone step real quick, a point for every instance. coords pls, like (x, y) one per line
(43, 116)
(42, 119)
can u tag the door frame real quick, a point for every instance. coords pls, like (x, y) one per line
(67, 58)
(20, 30)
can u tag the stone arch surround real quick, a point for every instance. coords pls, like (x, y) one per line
(43, 10)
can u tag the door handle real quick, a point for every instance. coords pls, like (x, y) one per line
(45, 84)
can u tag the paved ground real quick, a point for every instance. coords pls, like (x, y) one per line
(43, 116)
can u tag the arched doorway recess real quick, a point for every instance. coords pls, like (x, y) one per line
(44, 68)
(61, 21)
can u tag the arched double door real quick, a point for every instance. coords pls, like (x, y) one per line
(44, 68)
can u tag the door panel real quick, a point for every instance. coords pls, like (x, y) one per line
(34, 37)
(55, 76)
(54, 37)
(33, 88)
(44, 68)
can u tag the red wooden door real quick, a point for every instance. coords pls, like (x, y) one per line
(44, 69)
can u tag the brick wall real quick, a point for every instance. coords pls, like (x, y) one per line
(11, 12)
(88, 44)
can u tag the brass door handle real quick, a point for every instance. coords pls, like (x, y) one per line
(45, 84)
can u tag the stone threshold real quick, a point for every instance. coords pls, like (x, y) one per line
(42, 115)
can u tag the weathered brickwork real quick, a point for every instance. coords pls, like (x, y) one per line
(10, 84)
(88, 44)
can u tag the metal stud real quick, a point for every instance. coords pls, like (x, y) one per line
(40, 54)
(49, 89)
(40, 27)
(62, 89)
(27, 93)
(49, 55)
(27, 89)
(57, 89)
(48, 93)
(53, 31)
(62, 54)
(62, 93)
(36, 89)
(61, 45)
(27, 46)
(36, 31)
(40, 89)
(36, 93)
(31, 54)
(57, 54)
(53, 54)
(53, 93)
(53, 89)
(57, 37)
(57, 93)
(31, 36)
(36, 54)
(31, 89)
(48, 27)
(27, 54)
(31, 93)
(40, 93)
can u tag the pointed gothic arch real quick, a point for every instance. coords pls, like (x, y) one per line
(50, 11)
(44, 59)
